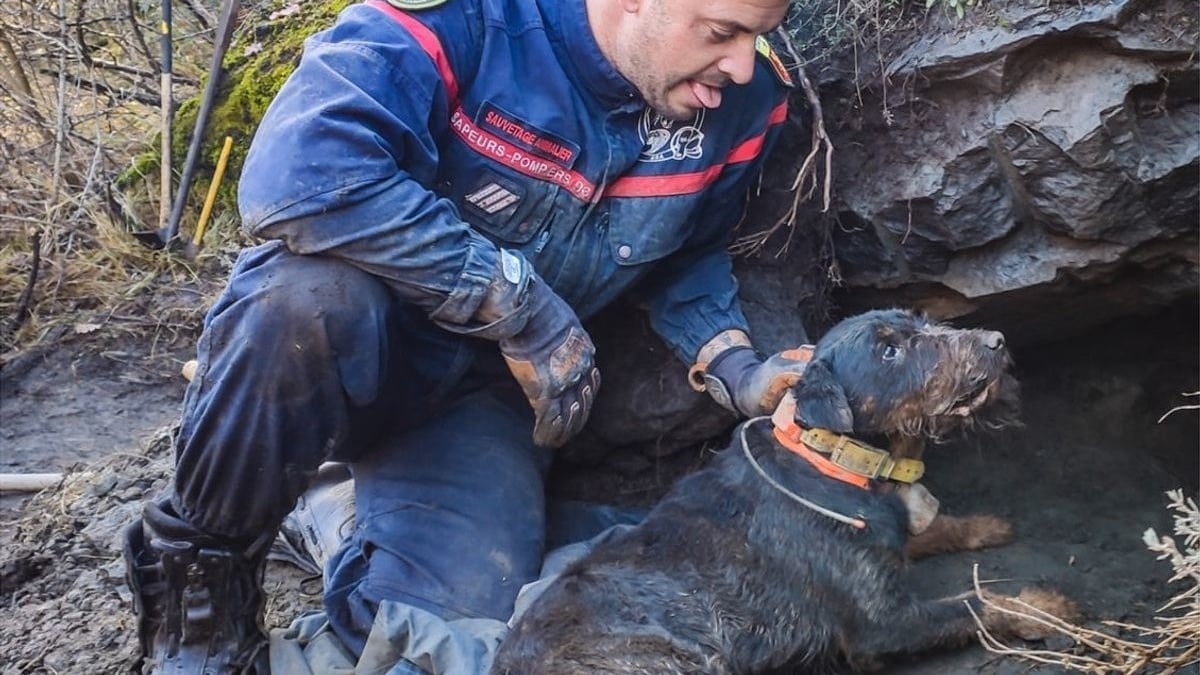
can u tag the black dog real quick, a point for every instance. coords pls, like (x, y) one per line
(729, 574)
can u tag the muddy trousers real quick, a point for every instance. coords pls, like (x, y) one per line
(305, 359)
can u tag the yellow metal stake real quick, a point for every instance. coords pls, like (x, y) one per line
(211, 197)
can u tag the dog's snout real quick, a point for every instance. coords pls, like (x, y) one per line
(993, 339)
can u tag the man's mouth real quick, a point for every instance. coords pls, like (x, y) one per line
(706, 95)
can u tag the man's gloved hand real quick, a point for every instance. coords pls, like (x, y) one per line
(553, 360)
(741, 382)
(546, 348)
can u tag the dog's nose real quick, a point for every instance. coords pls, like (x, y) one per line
(994, 339)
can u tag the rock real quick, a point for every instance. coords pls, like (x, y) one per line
(1047, 156)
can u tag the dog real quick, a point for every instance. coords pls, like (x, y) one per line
(766, 561)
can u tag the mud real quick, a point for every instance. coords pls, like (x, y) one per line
(1080, 483)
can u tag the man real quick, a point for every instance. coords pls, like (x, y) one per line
(447, 187)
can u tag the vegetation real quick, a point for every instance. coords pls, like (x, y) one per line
(1170, 644)
(80, 111)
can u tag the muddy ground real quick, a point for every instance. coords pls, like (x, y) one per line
(1080, 482)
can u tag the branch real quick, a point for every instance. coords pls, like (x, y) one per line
(138, 38)
(115, 95)
(24, 307)
(203, 16)
(15, 67)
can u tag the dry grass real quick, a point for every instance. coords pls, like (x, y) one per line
(79, 93)
(1169, 644)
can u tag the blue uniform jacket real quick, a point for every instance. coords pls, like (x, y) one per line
(416, 144)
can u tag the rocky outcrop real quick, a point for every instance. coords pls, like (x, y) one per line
(1047, 158)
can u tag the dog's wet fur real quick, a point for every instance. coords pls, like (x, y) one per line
(729, 575)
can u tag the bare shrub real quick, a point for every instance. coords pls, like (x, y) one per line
(79, 100)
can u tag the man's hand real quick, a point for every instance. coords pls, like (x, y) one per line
(553, 360)
(546, 348)
(731, 372)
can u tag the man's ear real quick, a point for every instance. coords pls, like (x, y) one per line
(820, 401)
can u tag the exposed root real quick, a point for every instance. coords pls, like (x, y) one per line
(805, 184)
(1170, 645)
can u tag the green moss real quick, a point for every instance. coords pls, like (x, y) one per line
(264, 52)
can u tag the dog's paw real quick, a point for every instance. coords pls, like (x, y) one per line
(1023, 617)
(985, 532)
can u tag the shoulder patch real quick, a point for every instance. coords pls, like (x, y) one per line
(410, 5)
(765, 51)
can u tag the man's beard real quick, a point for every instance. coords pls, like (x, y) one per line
(657, 93)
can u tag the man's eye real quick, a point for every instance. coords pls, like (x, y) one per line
(720, 35)
(890, 352)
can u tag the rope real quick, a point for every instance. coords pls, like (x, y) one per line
(857, 523)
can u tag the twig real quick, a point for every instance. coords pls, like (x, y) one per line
(1170, 647)
(805, 183)
(115, 95)
(25, 303)
(203, 16)
(138, 38)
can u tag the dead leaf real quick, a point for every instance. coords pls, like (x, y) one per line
(85, 328)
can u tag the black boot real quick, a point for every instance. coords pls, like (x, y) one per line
(199, 601)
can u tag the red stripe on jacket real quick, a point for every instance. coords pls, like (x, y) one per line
(429, 42)
(673, 184)
(666, 185)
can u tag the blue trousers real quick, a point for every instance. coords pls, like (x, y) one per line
(305, 359)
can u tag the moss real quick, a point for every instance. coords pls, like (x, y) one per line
(264, 52)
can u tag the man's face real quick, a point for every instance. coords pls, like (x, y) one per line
(679, 53)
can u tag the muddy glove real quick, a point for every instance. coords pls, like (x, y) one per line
(741, 382)
(553, 361)
(546, 348)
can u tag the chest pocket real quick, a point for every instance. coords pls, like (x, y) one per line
(645, 229)
(512, 211)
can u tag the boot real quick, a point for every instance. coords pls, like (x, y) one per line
(199, 602)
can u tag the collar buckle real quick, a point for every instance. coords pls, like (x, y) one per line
(848, 455)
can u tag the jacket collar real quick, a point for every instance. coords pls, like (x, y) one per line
(568, 26)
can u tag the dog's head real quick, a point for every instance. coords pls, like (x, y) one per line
(897, 373)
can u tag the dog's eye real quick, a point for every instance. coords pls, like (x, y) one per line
(890, 352)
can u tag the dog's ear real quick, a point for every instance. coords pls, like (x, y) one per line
(821, 402)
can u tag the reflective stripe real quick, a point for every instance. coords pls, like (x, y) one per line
(778, 114)
(687, 183)
(429, 42)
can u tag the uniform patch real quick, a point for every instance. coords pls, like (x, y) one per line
(528, 136)
(492, 198)
(510, 265)
(765, 51)
(504, 151)
(409, 5)
(666, 139)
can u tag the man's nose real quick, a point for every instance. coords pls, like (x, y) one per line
(738, 64)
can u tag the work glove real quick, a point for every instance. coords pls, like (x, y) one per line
(740, 381)
(546, 349)
(553, 360)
